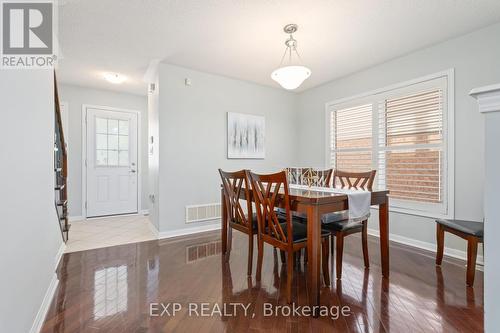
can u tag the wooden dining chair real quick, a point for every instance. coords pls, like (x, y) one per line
(338, 223)
(289, 236)
(246, 222)
(311, 177)
(320, 178)
(468, 230)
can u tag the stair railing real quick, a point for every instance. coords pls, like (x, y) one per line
(60, 168)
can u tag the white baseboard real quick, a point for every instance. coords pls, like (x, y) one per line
(188, 231)
(75, 218)
(454, 253)
(47, 299)
(49, 294)
(144, 212)
(59, 254)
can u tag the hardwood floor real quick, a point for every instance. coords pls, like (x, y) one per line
(111, 290)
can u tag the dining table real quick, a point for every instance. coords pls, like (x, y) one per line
(314, 203)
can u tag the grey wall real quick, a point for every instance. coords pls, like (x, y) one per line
(76, 96)
(476, 59)
(192, 131)
(30, 237)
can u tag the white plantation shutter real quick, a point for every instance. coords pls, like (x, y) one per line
(413, 174)
(402, 133)
(411, 146)
(351, 142)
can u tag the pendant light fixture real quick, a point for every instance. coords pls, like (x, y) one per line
(292, 74)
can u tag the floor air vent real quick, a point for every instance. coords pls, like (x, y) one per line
(198, 213)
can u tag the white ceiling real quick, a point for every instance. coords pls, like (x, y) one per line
(244, 39)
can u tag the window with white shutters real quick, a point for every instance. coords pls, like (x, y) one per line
(403, 133)
(351, 141)
(411, 152)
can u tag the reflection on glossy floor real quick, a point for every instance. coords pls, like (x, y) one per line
(111, 290)
(108, 231)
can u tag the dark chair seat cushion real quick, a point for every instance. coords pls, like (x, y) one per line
(467, 227)
(327, 218)
(339, 221)
(299, 230)
(254, 221)
(344, 225)
(335, 217)
(300, 217)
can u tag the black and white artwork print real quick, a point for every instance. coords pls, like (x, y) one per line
(245, 136)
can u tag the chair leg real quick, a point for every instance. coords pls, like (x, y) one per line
(364, 240)
(229, 242)
(471, 260)
(260, 256)
(332, 244)
(339, 249)
(440, 243)
(250, 254)
(289, 277)
(324, 261)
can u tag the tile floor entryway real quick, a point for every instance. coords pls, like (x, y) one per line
(108, 231)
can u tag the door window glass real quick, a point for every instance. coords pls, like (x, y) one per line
(112, 142)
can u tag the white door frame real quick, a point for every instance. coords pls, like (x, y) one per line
(85, 107)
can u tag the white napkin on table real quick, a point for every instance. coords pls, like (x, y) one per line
(359, 200)
(359, 203)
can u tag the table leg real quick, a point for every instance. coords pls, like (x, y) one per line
(223, 222)
(314, 255)
(383, 218)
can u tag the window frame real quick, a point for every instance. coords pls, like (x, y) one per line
(447, 208)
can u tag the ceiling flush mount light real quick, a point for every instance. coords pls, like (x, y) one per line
(293, 74)
(114, 78)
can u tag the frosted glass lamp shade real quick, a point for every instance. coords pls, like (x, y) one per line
(291, 77)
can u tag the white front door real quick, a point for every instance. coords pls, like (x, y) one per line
(112, 182)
